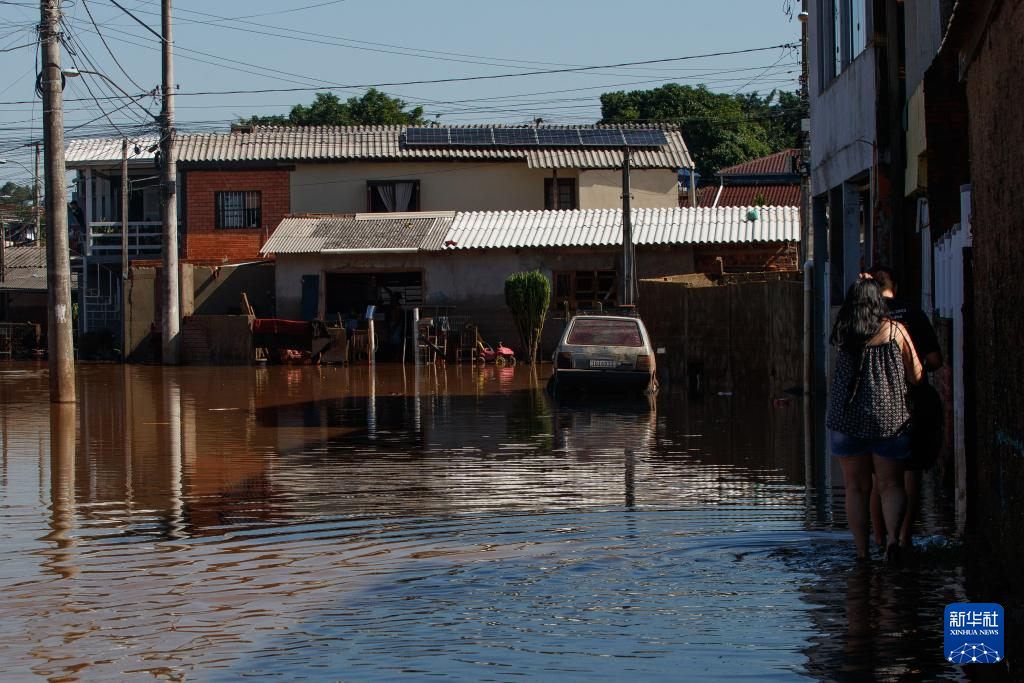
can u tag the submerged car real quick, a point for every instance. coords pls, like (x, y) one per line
(604, 352)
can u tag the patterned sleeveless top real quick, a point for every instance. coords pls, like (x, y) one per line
(878, 407)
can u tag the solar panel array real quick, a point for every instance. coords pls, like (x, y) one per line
(533, 137)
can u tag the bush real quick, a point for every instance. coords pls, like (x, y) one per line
(527, 296)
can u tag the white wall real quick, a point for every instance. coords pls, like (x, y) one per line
(650, 189)
(842, 118)
(469, 186)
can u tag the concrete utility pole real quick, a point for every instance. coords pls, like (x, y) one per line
(35, 202)
(628, 265)
(169, 196)
(124, 246)
(58, 264)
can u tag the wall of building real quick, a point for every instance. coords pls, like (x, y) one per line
(753, 257)
(204, 242)
(996, 140)
(474, 282)
(444, 186)
(842, 118)
(468, 186)
(649, 189)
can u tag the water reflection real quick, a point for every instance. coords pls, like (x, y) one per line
(360, 524)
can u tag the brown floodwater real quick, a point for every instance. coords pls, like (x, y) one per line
(305, 523)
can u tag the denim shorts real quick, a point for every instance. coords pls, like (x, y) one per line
(891, 448)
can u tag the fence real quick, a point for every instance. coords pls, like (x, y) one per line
(742, 337)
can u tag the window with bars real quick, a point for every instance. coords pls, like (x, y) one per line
(238, 209)
(566, 194)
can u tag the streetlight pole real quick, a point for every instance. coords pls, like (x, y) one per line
(58, 266)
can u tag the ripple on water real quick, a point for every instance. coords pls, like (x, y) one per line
(301, 523)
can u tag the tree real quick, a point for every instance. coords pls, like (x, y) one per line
(720, 129)
(13, 193)
(327, 109)
(527, 296)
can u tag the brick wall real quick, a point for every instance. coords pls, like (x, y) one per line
(206, 243)
(759, 256)
(996, 133)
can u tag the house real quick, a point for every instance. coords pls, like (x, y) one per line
(23, 285)
(916, 134)
(235, 188)
(771, 180)
(457, 261)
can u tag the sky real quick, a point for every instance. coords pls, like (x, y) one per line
(281, 53)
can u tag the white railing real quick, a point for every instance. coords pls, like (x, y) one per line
(145, 238)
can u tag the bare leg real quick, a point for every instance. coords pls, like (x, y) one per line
(877, 521)
(912, 483)
(889, 475)
(857, 475)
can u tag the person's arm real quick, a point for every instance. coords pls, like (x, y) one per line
(911, 365)
(927, 341)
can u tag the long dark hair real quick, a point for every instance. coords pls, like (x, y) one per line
(860, 318)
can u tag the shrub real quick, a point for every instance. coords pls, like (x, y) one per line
(527, 296)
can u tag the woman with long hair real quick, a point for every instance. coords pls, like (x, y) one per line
(868, 417)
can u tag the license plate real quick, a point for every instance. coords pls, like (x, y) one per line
(602, 364)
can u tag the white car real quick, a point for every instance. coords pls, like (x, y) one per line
(604, 352)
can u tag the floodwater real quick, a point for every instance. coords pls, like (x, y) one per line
(303, 523)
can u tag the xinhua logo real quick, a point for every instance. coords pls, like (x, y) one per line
(974, 633)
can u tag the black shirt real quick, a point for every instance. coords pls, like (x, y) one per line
(920, 328)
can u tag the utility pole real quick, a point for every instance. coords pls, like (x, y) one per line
(169, 195)
(58, 264)
(124, 246)
(628, 265)
(35, 202)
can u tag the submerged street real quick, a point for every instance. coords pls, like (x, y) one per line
(363, 524)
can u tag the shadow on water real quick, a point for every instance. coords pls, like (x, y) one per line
(353, 524)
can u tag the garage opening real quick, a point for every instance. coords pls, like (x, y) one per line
(348, 294)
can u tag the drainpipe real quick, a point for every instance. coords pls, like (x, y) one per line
(718, 195)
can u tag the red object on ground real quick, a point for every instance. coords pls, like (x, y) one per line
(278, 326)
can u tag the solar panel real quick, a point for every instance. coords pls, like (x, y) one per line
(427, 137)
(602, 137)
(558, 137)
(472, 137)
(645, 138)
(515, 137)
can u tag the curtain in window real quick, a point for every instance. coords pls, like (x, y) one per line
(387, 195)
(403, 196)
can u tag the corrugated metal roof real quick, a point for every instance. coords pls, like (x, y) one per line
(343, 143)
(780, 162)
(89, 151)
(747, 195)
(603, 227)
(359, 232)
(25, 270)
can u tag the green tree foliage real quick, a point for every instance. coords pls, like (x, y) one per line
(527, 296)
(720, 129)
(13, 193)
(373, 108)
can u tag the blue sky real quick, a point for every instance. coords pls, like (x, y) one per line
(265, 45)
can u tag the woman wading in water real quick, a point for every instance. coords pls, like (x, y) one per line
(868, 417)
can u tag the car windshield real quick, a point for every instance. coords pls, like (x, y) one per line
(606, 332)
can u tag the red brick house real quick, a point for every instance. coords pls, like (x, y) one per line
(767, 181)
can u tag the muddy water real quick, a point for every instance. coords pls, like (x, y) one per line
(341, 524)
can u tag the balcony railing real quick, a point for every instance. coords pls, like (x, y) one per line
(145, 239)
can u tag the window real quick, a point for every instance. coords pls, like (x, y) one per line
(566, 196)
(843, 35)
(610, 332)
(857, 16)
(238, 209)
(384, 196)
(585, 289)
